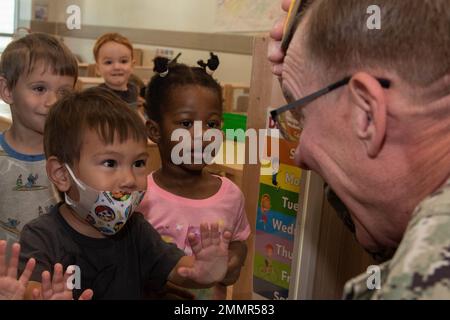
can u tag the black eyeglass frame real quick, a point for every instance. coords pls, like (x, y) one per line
(313, 96)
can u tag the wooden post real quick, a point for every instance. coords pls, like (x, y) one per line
(228, 98)
(261, 89)
(5, 123)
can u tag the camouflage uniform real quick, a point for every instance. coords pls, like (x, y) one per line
(420, 268)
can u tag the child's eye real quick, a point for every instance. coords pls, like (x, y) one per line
(39, 89)
(140, 163)
(213, 124)
(124, 61)
(107, 62)
(110, 163)
(186, 123)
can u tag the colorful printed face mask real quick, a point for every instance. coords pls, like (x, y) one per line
(105, 210)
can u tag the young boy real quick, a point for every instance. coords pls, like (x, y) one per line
(96, 155)
(113, 55)
(114, 61)
(35, 71)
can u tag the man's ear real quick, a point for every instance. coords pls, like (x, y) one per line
(58, 174)
(5, 91)
(369, 118)
(153, 131)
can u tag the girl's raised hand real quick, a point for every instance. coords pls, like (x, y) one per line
(211, 255)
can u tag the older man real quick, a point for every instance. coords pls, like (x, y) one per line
(379, 133)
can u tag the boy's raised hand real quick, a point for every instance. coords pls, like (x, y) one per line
(56, 288)
(12, 288)
(211, 255)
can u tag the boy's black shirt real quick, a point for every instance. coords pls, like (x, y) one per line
(116, 267)
(130, 95)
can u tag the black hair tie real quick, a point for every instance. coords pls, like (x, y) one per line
(161, 65)
(211, 65)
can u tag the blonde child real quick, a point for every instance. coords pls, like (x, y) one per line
(114, 61)
(35, 72)
(179, 197)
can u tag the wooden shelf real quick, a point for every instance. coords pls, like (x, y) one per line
(5, 123)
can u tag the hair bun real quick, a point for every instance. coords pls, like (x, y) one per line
(213, 62)
(161, 66)
(211, 65)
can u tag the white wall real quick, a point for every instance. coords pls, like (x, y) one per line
(173, 15)
(25, 9)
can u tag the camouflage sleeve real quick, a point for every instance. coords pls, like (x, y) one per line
(420, 268)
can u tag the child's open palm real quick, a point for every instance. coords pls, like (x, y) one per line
(211, 255)
(56, 288)
(12, 288)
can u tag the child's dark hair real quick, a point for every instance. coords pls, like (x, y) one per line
(160, 87)
(96, 108)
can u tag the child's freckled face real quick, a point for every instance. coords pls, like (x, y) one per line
(115, 64)
(190, 103)
(120, 166)
(35, 94)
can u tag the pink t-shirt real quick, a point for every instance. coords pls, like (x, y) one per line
(174, 216)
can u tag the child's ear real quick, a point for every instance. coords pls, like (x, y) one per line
(58, 174)
(5, 92)
(153, 131)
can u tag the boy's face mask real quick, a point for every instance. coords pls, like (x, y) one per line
(105, 210)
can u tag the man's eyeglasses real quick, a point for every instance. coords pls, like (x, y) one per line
(285, 123)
